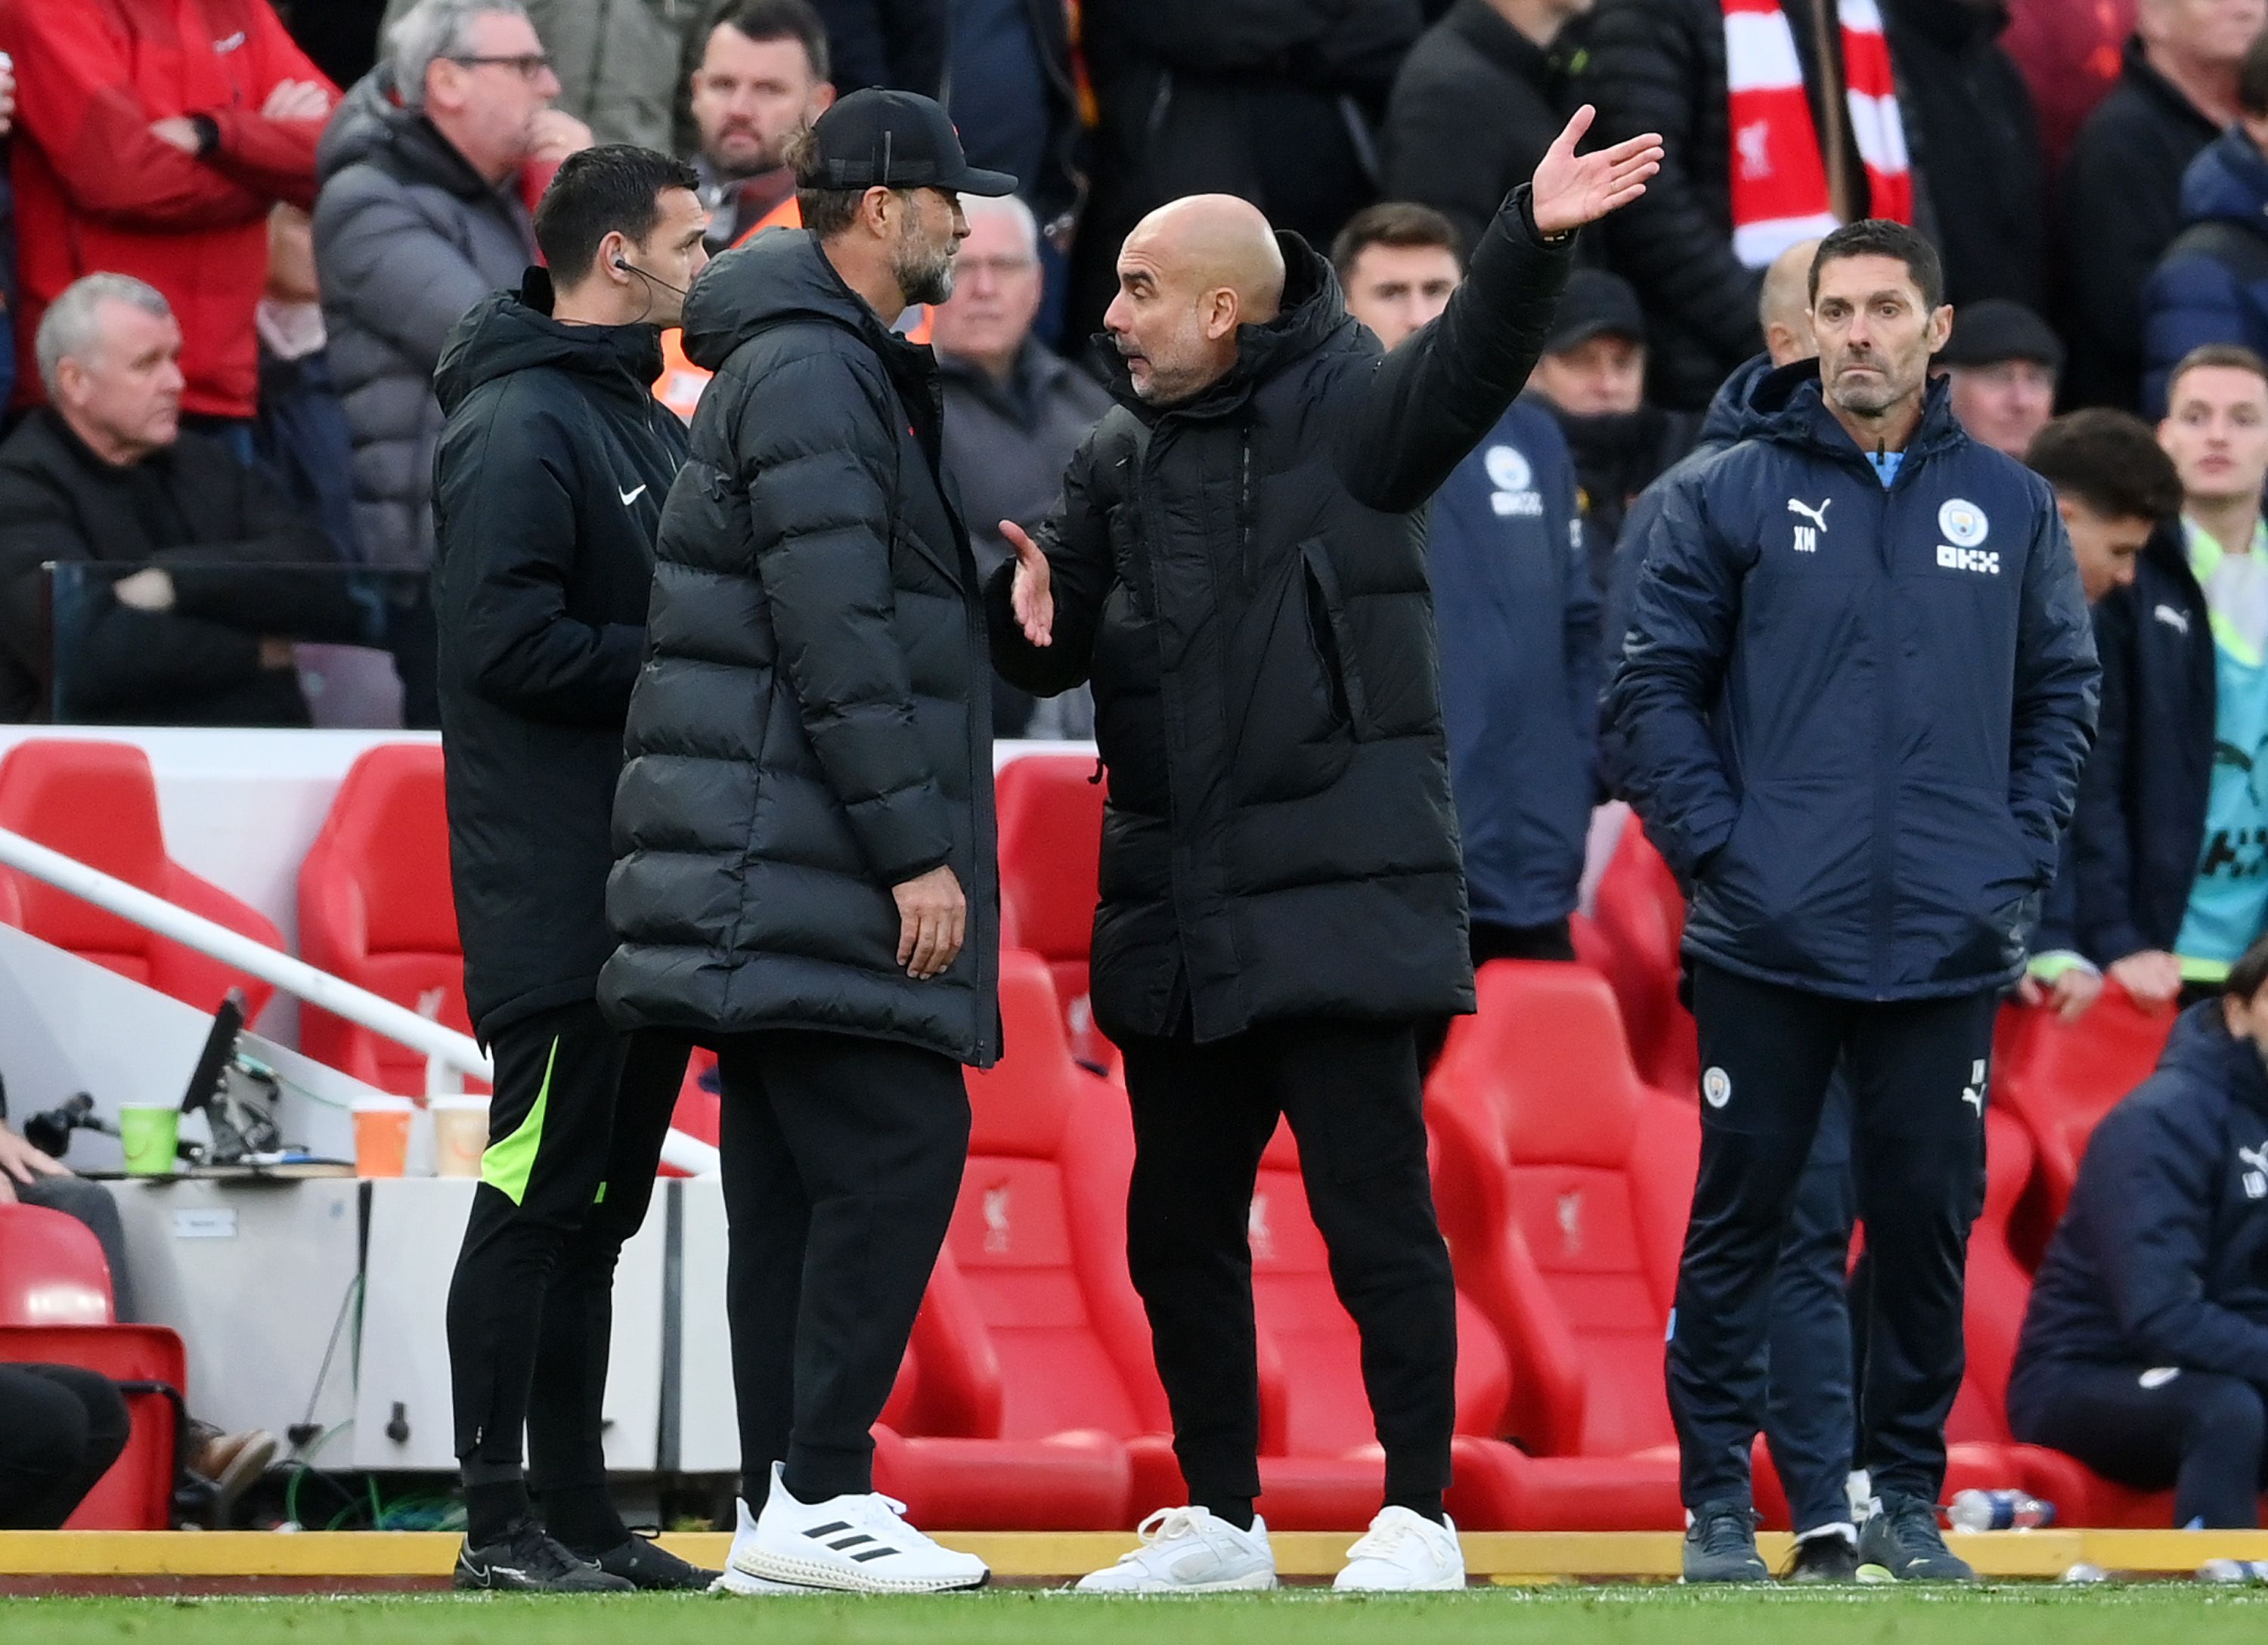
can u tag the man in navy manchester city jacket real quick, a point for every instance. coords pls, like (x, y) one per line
(1856, 694)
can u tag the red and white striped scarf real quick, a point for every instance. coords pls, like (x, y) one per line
(1779, 179)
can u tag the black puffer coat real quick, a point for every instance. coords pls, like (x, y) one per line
(1243, 577)
(813, 724)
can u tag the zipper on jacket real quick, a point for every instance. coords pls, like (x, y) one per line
(1244, 513)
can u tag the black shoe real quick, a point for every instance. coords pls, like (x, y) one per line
(1901, 1543)
(1831, 1558)
(1720, 1546)
(526, 1560)
(644, 1563)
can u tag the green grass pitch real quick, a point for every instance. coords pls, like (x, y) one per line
(2178, 1613)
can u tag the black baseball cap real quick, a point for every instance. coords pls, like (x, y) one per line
(1997, 330)
(1594, 304)
(876, 138)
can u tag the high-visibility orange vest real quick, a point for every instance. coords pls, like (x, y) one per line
(681, 381)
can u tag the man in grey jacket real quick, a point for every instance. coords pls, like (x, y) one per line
(419, 216)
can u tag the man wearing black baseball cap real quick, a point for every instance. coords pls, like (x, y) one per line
(2004, 361)
(1591, 375)
(804, 829)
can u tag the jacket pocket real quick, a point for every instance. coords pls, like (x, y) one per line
(1333, 634)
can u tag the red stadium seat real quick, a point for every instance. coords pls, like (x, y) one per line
(56, 1310)
(2060, 1079)
(1031, 1355)
(1563, 1186)
(376, 909)
(1050, 811)
(1638, 919)
(98, 803)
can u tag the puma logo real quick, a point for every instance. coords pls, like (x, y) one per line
(1816, 516)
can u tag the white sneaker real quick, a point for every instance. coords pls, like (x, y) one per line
(1189, 1551)
(1404, 1553)
(733, 1580)
(853, 1544)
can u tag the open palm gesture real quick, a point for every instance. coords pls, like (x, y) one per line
(1572, 190)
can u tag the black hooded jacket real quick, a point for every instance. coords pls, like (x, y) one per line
(1242, 576)
(548, 489)
(813, 725)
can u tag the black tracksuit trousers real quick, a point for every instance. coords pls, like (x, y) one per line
(1202, 1116)
(842, 1159)
(1808, 1418)
(1917, 1071)
(2205, 1434)
(575, 1132)
(61, 1429)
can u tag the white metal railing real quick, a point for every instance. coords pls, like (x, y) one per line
(294, 976)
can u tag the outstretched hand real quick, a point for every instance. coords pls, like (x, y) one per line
(1031, 598)
(1571, 189)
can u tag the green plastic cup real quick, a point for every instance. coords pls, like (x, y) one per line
(149, 1132)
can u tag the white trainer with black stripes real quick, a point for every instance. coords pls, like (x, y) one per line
(852, 1543)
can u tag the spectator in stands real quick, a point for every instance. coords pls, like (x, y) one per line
(1014, 412)
(419, 218)
(1478, 100)
(1515, 614)
(2212, 285)
(104, 473)
(1592, 378)
(1877, 945)
(2145, 1351)
(2070, 57)
(1015, 100)
(762, 78)
(144, 148)
(1255, 98)
(53, 1452)
(2119, 206)
(619, 64)
(2117, 491)
(1696, 246)
(60, 1427)
(2003, 361)
(900, 45)
(2172, 827)
(1976, 145)
(303, 433)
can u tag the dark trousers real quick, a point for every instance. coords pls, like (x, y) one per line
(842, 1160)
(575, 1133)
(1808, 1418)
(2199, 1433)
(1917, 1072)
(414, 636)
(1202, 1114)
(61, 1429)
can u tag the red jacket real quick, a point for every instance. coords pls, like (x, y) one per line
(95, 191)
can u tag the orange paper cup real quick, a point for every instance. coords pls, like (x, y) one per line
(381, 1137)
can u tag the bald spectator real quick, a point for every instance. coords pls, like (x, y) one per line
(1014, 412)
(2004, 361)
(2212, 285)
(421, 216)
(151, 137)
(2120, 205)
(197, 630)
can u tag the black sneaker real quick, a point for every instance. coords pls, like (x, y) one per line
(1720, 1546)
(1901, 1543)
(1831, 1558)
(644, 1563)
(526, 1560)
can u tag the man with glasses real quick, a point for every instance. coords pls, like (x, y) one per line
(1014, 412)
(422, 214)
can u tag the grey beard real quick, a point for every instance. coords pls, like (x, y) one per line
(924, 277)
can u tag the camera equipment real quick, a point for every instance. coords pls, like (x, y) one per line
(237, 1094)
(50, 1132)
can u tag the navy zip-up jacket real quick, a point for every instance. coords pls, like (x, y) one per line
(2162, 1258)
(1855, 716)
(2140, 829)
(1517, 616)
